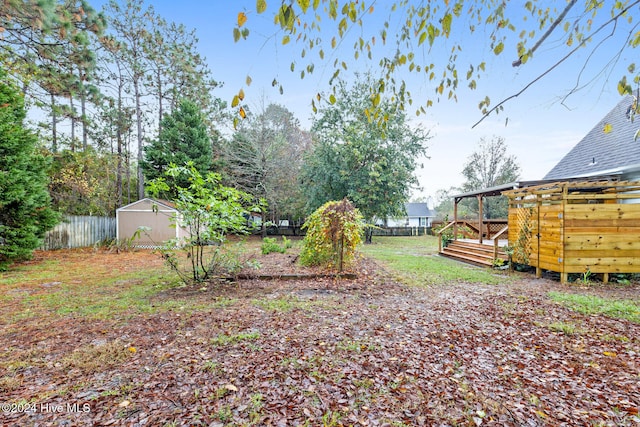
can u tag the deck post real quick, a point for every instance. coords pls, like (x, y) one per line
(455, 218)
(480, 214)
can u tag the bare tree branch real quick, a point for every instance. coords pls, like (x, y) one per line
(614, 20)
(552, 27)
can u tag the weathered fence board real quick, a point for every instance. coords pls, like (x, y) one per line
(80, 231)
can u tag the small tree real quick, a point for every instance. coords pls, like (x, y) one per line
(210, 212)
(334, 231)
(25, 206)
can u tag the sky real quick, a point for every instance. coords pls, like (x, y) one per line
(539, 131)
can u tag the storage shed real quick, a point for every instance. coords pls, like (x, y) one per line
(576, 227)
(156, 215)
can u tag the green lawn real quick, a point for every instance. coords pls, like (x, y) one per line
(415, 261)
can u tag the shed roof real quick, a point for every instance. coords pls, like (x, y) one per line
(164, 203)
(601, 152)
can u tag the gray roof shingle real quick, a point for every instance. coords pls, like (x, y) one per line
(599, 152)
(415, 209)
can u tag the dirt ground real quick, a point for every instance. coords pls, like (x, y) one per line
(322, 352)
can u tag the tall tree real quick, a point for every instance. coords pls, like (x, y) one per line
(131, 26)
(183, 138)
(264, 158)
(45, 46)
(25, 212)
(487, 167)
(353, 157)
(176, 70)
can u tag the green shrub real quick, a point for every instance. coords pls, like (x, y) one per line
(334, 231)
(270, 245)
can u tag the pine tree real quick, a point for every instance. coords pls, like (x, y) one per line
(183, 138)
(25, 206)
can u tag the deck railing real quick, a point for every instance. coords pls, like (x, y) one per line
(496, 239)
(491, 229)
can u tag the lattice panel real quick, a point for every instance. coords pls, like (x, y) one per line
(522, 234)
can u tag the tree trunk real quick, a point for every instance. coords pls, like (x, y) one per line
(136, 87)
(368, 235)
(119, 129)
(160, 112)
(54, 129)
(83, 117)
(73, 124)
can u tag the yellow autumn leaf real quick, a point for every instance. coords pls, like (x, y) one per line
(607, 128)
(242, 113)
(610, 353)
(261, 6)
(242, 19)
(241, 95)
(132, 349)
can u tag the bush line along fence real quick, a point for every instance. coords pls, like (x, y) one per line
(80, 231)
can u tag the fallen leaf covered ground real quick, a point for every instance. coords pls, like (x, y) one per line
(322, 352)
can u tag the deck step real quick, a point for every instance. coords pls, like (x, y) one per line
(475, 253)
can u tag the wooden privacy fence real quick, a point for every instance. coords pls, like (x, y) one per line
(80, 231)
(576, 227)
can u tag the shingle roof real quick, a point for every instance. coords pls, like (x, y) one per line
(599, 152)
(418, 210)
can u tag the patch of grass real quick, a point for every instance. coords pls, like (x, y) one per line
(350, 345)
(96, 358)
(224, 414)
(224, 339)
(210, 366)
(413, 260)
(126, 295)
(277, 304)
(10, 382)
(44, 271)
(286, 304)
(589, 304)
(223, 302)
(565, 328)
(332, 418)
